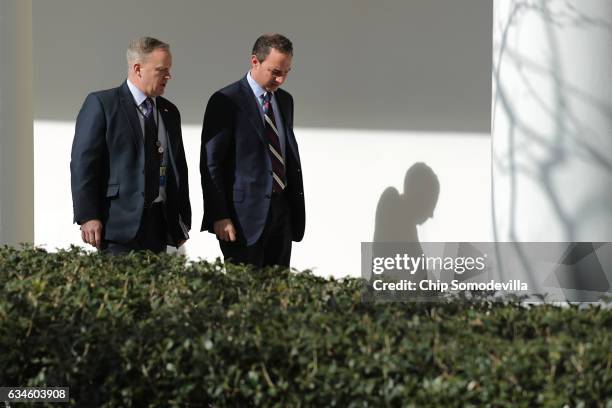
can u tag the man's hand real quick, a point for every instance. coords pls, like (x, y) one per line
(91, 233)
(225, 230)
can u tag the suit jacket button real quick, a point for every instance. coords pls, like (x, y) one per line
(268, 196)
(142, 193)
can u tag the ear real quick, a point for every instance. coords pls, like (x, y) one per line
(136, 69)
(254, 61)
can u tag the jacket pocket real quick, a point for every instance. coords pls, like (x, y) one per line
(238, 196)
(112, 190)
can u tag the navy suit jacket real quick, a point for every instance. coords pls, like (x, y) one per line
(107, 166)
(235, 163)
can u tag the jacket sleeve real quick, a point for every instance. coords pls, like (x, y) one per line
(185, 205)
(215, 157)
(87, 161)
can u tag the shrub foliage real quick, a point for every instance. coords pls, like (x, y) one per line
(146, 330)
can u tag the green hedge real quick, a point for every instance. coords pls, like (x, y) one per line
(144, 330)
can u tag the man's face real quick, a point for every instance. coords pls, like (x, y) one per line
(272, 71)
(154, 72)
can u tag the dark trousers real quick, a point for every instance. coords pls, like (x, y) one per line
(151, 234)
(274, 245)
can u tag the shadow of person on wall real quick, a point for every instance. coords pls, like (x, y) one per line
(397, 217)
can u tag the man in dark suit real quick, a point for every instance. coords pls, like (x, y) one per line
(128, 170)
(250, 165)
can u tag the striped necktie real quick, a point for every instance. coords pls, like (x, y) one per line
(278, 163)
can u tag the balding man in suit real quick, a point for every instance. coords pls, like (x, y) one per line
(128, 170)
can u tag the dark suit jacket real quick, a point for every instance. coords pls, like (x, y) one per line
(107, 166)
(235, 163)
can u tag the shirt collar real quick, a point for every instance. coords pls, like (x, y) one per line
(255, 87)
(139, 96)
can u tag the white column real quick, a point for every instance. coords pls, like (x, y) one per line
(552, 120)
(16, 123)
(552, 140)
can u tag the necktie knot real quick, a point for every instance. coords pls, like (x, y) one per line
(148, 107)
(267, 97)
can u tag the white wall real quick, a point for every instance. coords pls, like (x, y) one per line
(378, 87)
(552, 115)
(339, 215)
(387, 64)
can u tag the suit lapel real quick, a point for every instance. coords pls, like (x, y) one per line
(172, 125)
(289, 137)
(129, 108)
(169, 122)
(251, 108)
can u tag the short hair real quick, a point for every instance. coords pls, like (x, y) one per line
(140, 48)
(261, 48)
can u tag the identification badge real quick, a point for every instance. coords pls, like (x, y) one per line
(162, 176)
